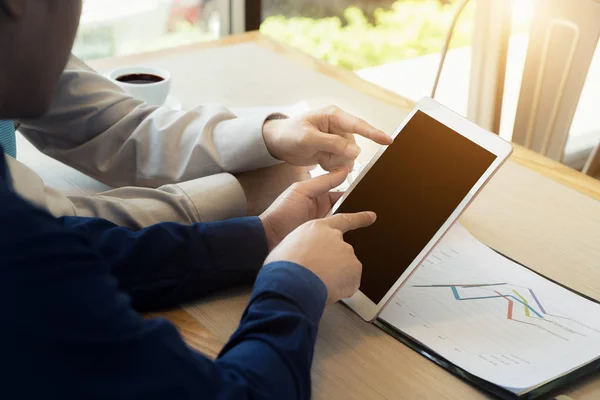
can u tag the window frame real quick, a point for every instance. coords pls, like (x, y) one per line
(239, 16)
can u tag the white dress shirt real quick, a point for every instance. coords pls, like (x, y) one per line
(166, 164)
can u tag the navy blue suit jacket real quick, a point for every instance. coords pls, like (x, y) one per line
(70, 288)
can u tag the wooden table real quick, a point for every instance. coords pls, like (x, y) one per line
(535, 210)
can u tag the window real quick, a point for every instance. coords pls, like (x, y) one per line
(393, 43)
(120, 27)
(585, 129)
(515, 65)
(396, 44)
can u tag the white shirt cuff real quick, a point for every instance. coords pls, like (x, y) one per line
(241, 144)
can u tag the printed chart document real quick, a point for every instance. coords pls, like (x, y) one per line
(494, 318)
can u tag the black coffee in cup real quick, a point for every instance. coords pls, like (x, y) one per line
(140, 79)
(151, 85)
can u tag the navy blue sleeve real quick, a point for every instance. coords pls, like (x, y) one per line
(169, 264)
(69, 332)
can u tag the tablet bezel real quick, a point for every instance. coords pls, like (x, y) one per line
(360, 303)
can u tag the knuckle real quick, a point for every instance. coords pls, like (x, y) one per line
(332, 140)
(356, 123)
(304, 136)
(315, 223)
(359, 267)
(305, 226)
(347, 219)
(296, 186)
(338, 144)
(331, 109)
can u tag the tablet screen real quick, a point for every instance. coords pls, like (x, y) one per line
(414, 187)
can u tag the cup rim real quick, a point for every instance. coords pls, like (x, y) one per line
(163, 73)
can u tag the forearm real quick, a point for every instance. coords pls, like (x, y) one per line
(278, 332)
(169, 264)
(111, 352)
(95, 127)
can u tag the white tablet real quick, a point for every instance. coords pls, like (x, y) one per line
(418, 186)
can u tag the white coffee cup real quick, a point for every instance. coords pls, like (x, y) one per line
(151, 85)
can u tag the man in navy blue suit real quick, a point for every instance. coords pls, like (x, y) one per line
(70, 288)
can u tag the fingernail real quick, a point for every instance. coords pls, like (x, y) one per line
(352, 151)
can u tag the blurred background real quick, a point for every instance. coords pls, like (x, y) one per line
(395, 44)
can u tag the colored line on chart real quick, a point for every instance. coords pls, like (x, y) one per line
(543, 310)
(506, 296)
(510, 317)
(537, 301)
(535, 298)
(527, 307)
(484, 285)
(524, 300)
(458, 297)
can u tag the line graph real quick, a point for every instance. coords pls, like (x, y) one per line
(540, 314)
(493, 317)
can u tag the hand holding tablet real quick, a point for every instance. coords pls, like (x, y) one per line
(418, 187)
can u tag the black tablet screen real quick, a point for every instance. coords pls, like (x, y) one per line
(414, 187)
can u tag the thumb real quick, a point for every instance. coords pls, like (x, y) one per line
(350, 222)
(321, 185)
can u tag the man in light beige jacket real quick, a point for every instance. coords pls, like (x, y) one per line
(180, 166)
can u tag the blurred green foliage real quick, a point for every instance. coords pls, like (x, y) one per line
(410, 28)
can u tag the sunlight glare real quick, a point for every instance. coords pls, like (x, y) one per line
(523, 12)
